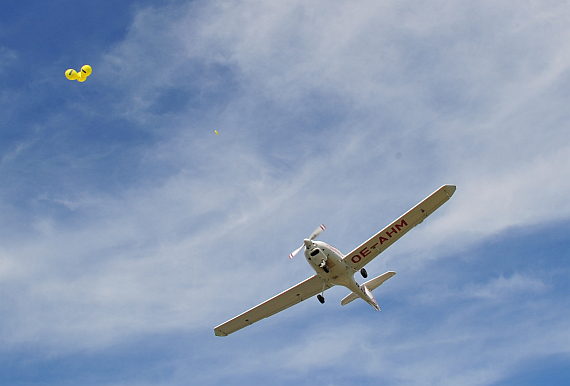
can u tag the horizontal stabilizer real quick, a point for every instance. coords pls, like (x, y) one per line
(371, 285)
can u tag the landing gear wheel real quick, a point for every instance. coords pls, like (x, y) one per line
(323, 265)
(321, 298)
(364, 273)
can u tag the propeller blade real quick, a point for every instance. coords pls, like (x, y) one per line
(296, 251)
(317, 231)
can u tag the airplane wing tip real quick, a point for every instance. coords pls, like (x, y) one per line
(219, 332)
(450, 189)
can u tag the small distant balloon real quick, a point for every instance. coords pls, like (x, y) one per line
(80, 76)
(215, 131)
(71, 74)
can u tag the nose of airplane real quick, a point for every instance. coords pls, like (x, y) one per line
(308, 243)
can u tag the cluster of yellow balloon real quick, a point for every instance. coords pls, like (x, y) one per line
(80, 76)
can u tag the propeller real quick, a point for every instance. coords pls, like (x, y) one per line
(315, 233)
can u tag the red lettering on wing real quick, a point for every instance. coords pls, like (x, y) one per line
(401, 225)
(365, 252)
(382, 239)
(391, 233)
(356, 258)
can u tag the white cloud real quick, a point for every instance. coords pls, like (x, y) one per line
(8, 58)
(502, 287)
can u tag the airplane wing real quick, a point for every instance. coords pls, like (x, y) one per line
(364, 253)
(285, 299)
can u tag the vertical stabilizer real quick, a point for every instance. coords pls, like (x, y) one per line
(369, 298)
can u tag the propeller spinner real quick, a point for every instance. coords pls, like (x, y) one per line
(306, 242)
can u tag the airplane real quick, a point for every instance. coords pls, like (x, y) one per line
(333, 268)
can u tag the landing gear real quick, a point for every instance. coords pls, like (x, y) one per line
(364, 273)
(323, 265)
(320, 296)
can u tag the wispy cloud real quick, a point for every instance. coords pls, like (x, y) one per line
(502, 287)
(8, 58)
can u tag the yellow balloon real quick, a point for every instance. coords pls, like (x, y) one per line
(71, 74)
(81, 77)
(86, 70)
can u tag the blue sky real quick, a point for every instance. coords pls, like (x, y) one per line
(130, 229)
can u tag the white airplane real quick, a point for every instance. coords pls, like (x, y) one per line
(333, 268)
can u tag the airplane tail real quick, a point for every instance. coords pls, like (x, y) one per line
(368, 297)
(367, 287)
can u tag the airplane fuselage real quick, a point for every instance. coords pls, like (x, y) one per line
(328, 262)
